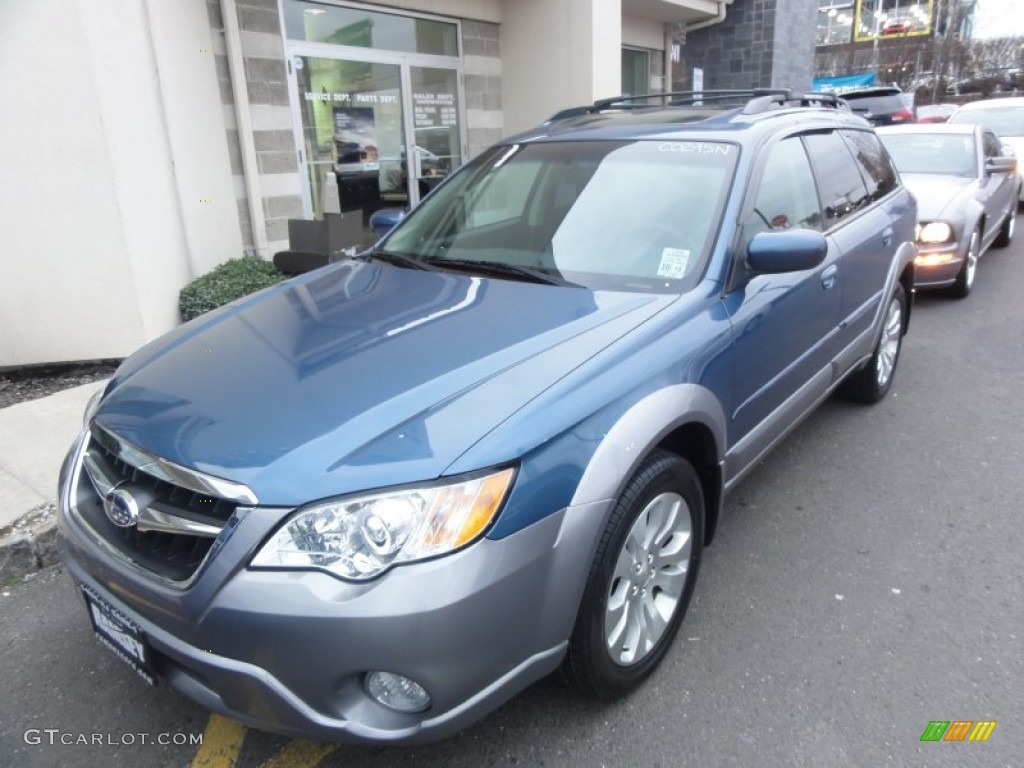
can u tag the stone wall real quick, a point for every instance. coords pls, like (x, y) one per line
(481, 48)
(761, 44)
(270, 113)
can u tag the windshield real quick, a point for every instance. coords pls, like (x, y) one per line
(617, 215)
(947, 154)
(1003, 121)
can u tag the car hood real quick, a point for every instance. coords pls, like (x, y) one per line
(357, 376)
(937, 195)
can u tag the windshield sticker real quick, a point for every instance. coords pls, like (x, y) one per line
(673, 262)
(698, 147)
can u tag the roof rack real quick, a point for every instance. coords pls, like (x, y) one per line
(756, 100)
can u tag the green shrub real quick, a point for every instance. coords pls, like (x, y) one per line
(231, 280)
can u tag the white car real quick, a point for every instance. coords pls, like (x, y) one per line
(1005, 117)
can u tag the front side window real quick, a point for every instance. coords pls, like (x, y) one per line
(993, 147)
(619, 215)
(841, 187)
(786, 195)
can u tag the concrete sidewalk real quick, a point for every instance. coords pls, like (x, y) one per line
(34, 437)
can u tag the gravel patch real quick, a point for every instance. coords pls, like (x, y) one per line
(21, 384)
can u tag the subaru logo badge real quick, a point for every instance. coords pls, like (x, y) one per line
(121, 508)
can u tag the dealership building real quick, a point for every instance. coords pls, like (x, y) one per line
(156, 139)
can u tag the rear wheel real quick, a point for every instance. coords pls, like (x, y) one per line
(873, 381)
(640, 581)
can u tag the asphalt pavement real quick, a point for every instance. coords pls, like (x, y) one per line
(865, 580)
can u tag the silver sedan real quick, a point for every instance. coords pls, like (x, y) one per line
(966, 184)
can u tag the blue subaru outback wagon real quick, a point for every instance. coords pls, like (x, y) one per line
(374, 502)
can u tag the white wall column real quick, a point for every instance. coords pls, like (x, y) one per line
(558, 54)
(118, 185)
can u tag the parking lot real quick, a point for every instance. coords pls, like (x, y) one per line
(865, 580)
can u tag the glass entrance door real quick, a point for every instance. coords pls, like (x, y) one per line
(353, 135)
(360, 122)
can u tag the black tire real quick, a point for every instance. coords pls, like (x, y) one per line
(961, 289)
(1005, 236)
(663, 482)
(872, 382)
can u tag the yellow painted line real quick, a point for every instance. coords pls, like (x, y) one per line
(300, 754)
(222, 741)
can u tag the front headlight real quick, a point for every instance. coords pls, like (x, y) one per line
(934, 232)
(92, 406)
(362, 537)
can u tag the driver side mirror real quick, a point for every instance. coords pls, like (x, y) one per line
(791, 251)
(1001, 165)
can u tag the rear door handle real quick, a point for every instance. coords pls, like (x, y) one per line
(828, 277)
(887, 237)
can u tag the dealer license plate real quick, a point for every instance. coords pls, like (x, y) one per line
(120, 634)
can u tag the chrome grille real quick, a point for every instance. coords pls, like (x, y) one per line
(176, 525)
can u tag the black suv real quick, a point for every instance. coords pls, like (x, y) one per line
(884, 105)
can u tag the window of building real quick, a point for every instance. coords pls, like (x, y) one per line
(358, 27)
(636, 71)
(885, 19)
(835, 22)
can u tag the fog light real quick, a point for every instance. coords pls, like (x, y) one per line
(933, 259)
(397, 692)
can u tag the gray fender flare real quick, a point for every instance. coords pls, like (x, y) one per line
(641, 428)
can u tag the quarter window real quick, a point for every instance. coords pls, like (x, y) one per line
(842, 189)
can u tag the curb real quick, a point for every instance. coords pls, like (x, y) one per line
(29, 544)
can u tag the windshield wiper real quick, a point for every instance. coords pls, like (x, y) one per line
(398, 259)
(502, 269)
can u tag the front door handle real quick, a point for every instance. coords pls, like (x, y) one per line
(828, 277)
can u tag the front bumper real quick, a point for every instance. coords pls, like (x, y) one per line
(937, 266)
(287, 651)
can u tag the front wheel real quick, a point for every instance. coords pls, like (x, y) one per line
(640, 581)
(873, 381)
(965, 278)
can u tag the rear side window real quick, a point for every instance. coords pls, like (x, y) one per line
(876, 168)
(839, 181)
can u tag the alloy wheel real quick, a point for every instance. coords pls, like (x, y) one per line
(649, 577)
(889, 346)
